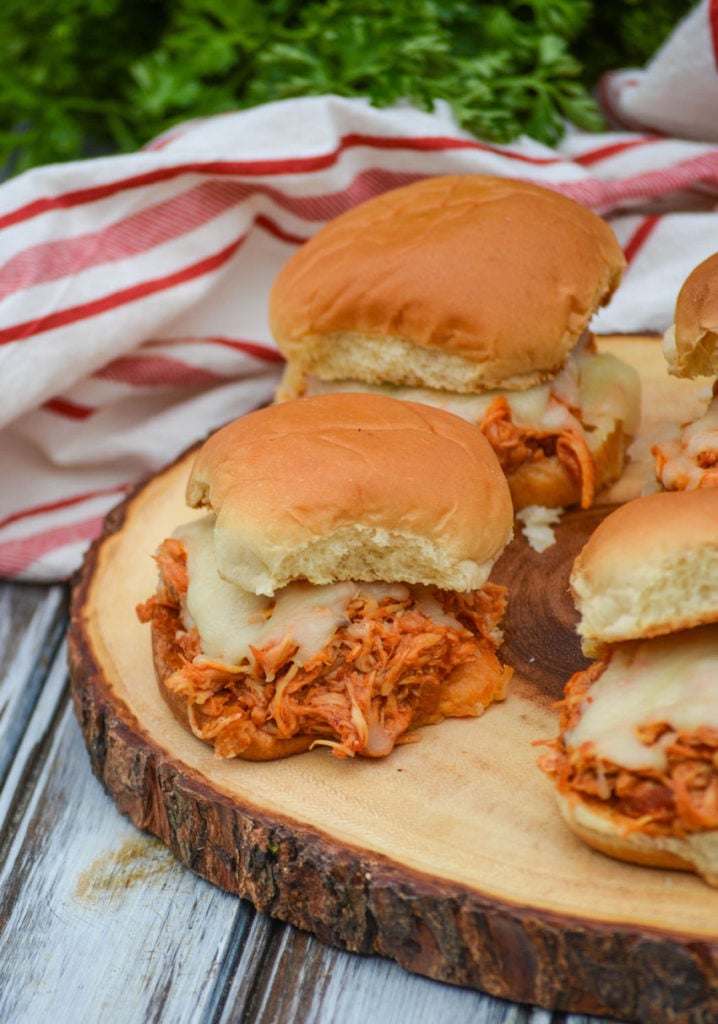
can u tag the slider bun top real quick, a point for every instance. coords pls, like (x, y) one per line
(352, 486)
(649, 568)
(691, 344)
(457, 282)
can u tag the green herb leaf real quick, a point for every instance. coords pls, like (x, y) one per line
(80, 77)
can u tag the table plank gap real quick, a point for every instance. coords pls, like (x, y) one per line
(244, 949)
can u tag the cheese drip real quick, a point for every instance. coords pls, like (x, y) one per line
(671, 679)
(668, 346)
(230, 621)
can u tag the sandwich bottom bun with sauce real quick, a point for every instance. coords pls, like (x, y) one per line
(635, 764)
(615, 835)
(335, 591)
(486, 312)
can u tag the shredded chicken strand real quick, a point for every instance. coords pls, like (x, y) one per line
(516, 445)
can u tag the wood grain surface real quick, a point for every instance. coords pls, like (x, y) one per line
(448, 857)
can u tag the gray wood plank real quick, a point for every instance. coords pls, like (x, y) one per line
(302, 980)
(99, 921)
(32, 622)
(25, 757)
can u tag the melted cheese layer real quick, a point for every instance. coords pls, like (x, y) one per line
(230, 621)
(598, 385)
(672, 679)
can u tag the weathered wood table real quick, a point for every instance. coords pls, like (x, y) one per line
(99, 921)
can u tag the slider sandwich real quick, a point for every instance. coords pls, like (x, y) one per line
(335, 589)
(689, 459)
(473, 294)
(636, 763)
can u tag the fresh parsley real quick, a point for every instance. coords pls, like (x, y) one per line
(80, 77)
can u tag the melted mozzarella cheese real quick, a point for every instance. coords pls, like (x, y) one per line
(681, 470)
(597, 384)
(230, 620)
(528, 406)
(610, 392)
(671, 679)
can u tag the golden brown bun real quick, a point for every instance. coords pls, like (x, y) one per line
(353, 486)
(261, 746)
(460, 282)
(691, 344)
(616, 836)
(651, 567)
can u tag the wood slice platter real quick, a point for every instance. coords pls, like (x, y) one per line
(449, 856)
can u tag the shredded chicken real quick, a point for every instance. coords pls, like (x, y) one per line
(516, 445)
(388, 669)
(681, 799)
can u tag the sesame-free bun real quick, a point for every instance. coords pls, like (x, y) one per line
(649, 568)
(351, 486)
(457, 282)
(690, 345)
(616, 835)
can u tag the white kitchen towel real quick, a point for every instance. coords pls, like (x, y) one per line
(133, 289)
(677, 92)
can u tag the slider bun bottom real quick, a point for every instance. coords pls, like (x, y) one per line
(616, 836)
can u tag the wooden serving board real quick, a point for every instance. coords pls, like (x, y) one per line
(449, 856)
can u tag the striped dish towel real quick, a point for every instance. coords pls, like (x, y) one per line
(133, 289)
(677, 93)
